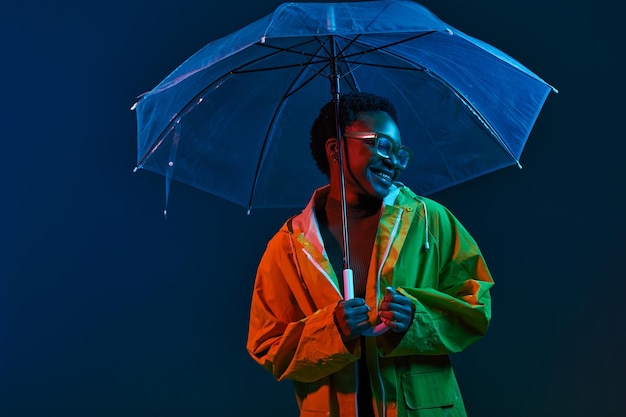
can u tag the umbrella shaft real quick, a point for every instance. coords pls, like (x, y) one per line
(335, 90)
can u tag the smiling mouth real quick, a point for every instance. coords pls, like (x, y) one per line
(384, 175)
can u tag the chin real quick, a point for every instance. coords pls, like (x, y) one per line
(380, 192)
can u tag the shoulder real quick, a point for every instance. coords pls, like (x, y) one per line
(406, 197)
(293, 226)
(438, 216)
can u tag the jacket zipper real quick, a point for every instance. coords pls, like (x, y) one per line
(392, 237)
(319, 268)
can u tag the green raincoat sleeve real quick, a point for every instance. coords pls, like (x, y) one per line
(448, 284)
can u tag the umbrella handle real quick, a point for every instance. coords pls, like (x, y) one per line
(377, 330)
(348, 291)
(348, 284)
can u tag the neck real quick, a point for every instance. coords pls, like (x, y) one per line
(362, 206)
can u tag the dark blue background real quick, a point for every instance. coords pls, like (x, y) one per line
(106, 309)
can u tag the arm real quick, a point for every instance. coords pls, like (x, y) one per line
(288, 335)
(450, 296)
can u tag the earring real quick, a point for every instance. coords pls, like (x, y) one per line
(334, 156)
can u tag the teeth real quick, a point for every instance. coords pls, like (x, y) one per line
(383, 174)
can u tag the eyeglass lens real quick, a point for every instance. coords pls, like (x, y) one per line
(385, 148)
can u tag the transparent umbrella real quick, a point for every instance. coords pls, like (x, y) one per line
(234, 118)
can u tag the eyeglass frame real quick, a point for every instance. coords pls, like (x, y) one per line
(376, 136)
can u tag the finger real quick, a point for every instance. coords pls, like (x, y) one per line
(389, 293)
(396, 320)
(360, 312)
(357, 313)
(386, 314)
(357, 321)
(391, 290)
(362, 327)
(393, 325)
(393, 296)
(395, 305)
(354, 302)
(398, 302)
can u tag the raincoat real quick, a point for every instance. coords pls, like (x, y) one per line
(420, 249)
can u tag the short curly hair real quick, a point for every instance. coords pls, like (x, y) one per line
(350, 107)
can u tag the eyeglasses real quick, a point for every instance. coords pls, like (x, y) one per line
(384, 145)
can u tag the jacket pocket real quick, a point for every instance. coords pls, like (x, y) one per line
(430, 389)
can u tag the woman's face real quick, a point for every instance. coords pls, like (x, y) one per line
(366, 173)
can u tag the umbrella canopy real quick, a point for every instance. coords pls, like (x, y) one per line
(234, 118)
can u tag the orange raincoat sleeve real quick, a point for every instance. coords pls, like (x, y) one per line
(288, 334)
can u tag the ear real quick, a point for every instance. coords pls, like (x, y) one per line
(332, 148)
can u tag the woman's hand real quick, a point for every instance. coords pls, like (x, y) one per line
(396, 310)
(351, 318)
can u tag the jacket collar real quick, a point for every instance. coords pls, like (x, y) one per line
(306, 223)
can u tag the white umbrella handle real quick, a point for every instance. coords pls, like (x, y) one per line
(348, 293)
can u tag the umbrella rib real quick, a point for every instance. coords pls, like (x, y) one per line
(346, 61)
(340, 54)
(291, 48)
(278, 50)
(321, 61)
(344, 58)
(326, 62)
(262, 153)
(369, 64)
(382, 47)
(435, 76)
(477, 114)
(246, 71)
(289, 92)
(187, 107)
(197, 99)
(352, 83)
(347, 75)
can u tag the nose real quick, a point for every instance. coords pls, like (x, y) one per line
(392, 160)
(391, 163)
